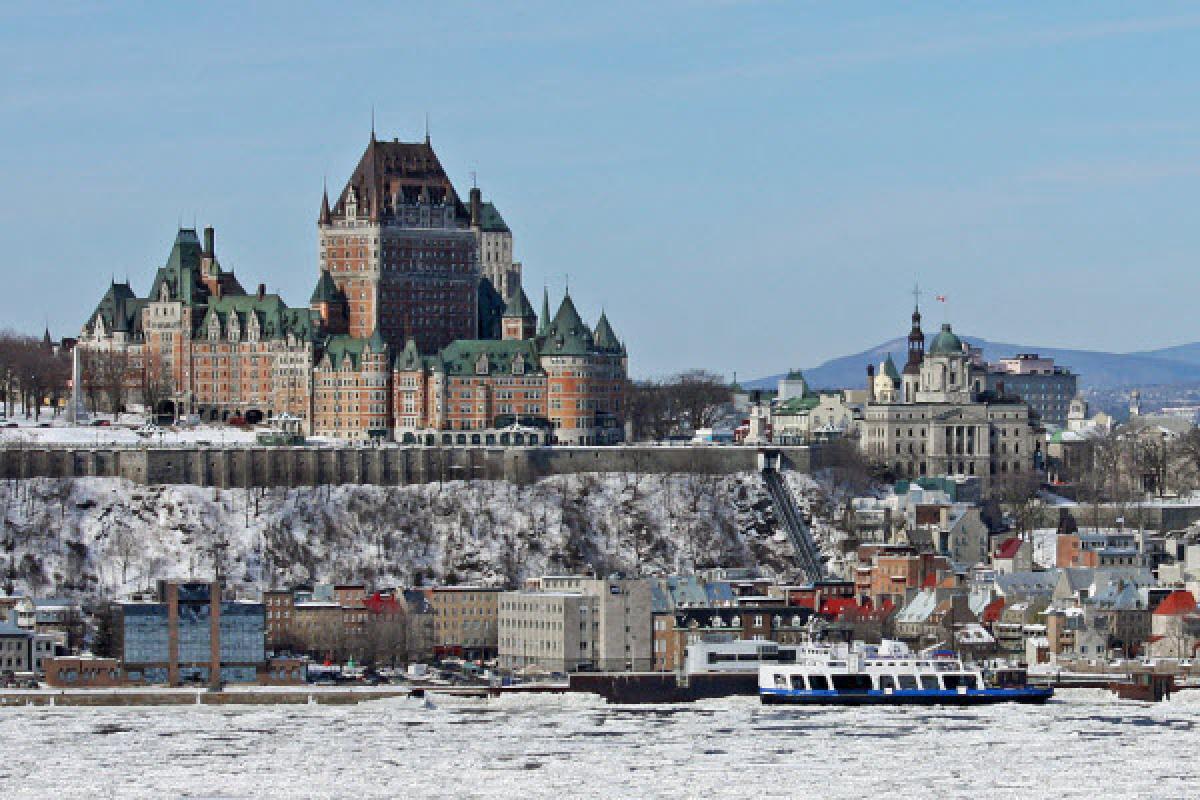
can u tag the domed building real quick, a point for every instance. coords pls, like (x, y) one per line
(937, 418)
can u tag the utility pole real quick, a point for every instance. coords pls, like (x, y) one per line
(214, 668)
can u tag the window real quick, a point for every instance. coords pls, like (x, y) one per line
(818, 683)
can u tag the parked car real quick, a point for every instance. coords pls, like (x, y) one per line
(11, 425)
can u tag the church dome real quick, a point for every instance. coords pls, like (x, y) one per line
(946, 343)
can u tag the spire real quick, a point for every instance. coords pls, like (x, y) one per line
(916, 340)
(324, 218)
(426, 127)
(544, 319)
(372, 122)
(606, 339)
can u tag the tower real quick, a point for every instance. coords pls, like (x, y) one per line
(519, 321)
(398, 244)
(911, 381)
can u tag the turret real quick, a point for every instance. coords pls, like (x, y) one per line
(476, 207)
(518, 321)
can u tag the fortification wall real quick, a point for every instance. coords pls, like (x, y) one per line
(386, 465)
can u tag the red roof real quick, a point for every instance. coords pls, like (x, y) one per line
(991, 612)
(1009, 548)
(1177, 603)
(383, 604)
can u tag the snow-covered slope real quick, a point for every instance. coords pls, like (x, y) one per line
(103, 536)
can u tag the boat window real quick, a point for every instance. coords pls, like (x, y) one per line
(856, 682)
(798, 682)
(780, 681)
(907, 681)
(951, 681)
(887, 682)
(929, 682)
(818, 683)
(968, 681)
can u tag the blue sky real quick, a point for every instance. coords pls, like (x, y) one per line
(742, 185)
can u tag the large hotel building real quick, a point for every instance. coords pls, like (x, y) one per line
(418, 328)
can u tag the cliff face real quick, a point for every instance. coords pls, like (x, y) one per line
(103, 536)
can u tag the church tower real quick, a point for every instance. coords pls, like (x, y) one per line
(916, 356)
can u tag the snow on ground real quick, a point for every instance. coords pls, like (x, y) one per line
(1084, 744)
(107, 535)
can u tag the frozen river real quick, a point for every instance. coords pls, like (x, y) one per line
(1083, 745)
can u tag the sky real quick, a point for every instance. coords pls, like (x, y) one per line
(742, 186)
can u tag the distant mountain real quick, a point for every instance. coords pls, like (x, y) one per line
(1096, 369)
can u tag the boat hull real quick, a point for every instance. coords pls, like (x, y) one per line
(972, 697)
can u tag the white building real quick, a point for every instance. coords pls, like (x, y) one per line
(936, 417)
(568, 623)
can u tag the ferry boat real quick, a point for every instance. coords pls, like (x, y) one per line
(888, 674)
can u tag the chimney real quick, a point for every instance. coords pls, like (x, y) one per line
(476, 202)
(262, 290)
(209, 249)
(870, 383)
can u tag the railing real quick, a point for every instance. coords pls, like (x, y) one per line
(806, 549)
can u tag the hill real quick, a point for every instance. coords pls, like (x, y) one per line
(1096, 369)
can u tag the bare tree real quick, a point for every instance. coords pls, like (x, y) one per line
(1017, 494)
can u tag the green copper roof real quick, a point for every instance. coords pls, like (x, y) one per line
(120, 309)
(494, 356)
(544, 319)
(605, 338)
(343, 346)
(409, 359)
(326, 290)
(794, 375)
(567, 335)
(490, 219)
(889, 368)
(797, 405)
(946, 342)
(518, 306)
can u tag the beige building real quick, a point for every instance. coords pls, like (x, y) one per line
(464, 617)
(568, 623)
(936, 417)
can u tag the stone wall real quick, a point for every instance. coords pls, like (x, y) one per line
(386, 466)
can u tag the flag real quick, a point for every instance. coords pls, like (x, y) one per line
(941, 298)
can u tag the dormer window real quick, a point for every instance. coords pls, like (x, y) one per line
(164, 294)
(481, 364)
(518, 365)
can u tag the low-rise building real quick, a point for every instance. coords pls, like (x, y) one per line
(569, 623)
(190, 631)
(465, 620)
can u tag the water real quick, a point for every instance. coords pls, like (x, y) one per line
(1085, 744)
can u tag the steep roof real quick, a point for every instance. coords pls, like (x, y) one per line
(605, 338)
(1009, 548)
(463, 357)
(490, 220)
(518, 305)
(326, 290)
(343, 346)
(406, 171)
(567, 335)
(1176, 604)
(120, 309)
(888, 368)
(409, 359)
